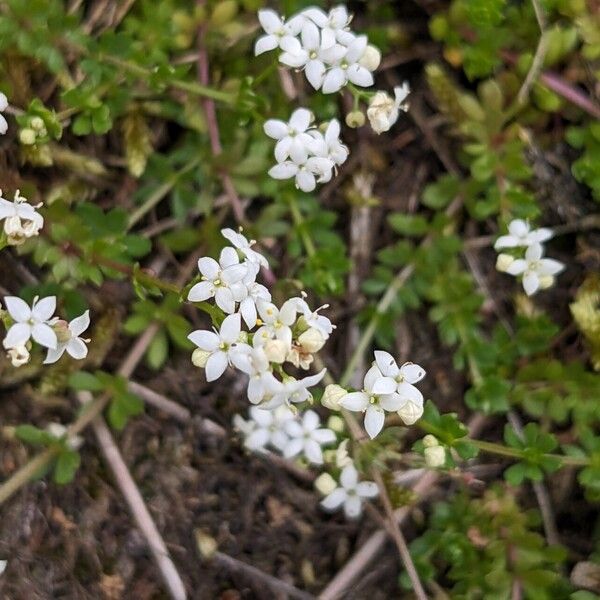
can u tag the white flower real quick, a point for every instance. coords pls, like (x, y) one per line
(293, 141)
(312, 55)
(3, 123)
(265, 428)
(316, 320)
(371, 58)
(293, 390)
(333, 25)
(520, 234)
(59, 431)
(69, 339)
(276, 323)
(34, 322)
(307, 437)
(254, 362)
(21, 219)
(278, 32)
(221, 280)
(221, 345)
(383, 110)
(349, 69)
(19, 356)
(239, 241)
(255, 292)
(534, 269)
(351, 493)
(332, 396)
(315, 170)
(373, 400)
(330, 144)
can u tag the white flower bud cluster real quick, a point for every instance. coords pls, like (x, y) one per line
(322, 45)
(38, 323)
(537, 273)
(21, 219)
(304, 152)
(275, 336)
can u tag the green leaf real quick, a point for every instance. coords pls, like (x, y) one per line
(66, 466)
(82, 380)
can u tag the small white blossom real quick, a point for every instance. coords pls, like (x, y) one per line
(350, 494)
(241, 242)
(31, 322)
(276, 323)
(221, 280)
(220, 345)
(333, 25)
(255, 292)
(316, 320)
(293, 141)
(535, 269)
(59, 431)
(349, 69)
(307, 437)
(293, 390)
(376, 397)
(277, 31)
(254, 362)
(315, 170)
(21, 219)
(265, 428)
(3, 123)
(383, 110)
(69, 340)
(521, 234)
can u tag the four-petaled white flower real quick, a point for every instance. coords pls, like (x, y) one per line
(254, 293)
(220, 345)
(350, 494)
(221, 280)
(31, 322)
(349, 68)
(277, 31)
(265, 428)
(241, 242)
(307, 437)
(277, 322)
(21, 219)
(3, 107)
(333, 25)
(330, 145)
(377, 396)
(316, 169)
(383, 110)
(521, 234)
(293, 141)
(69, 339)
(292, 390)
(254, 362)
(537, 272)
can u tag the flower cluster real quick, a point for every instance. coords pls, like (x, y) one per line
(322, 45)
(38, 322)
(305, 152)
(537, 273)
(386, 387)
(285, 431)
(275, 336)
(21, 219)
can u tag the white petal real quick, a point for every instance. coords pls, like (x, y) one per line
(391, 402)
(549, 266)
(263, 417)
(234, 273)
(323, 436)
(44, 335)
(372, 375)
(384, 385)
(3, 125)
(517, 267)
(201, 291)
(507, 241)
(295, 61)
(300, 119)
(349, 477)
(313, 452)
(298, 151)
(209, 267)
(367, 489)
(248, 312)
(353, 507)
(17, 335)
(293, 448)
(282, 148)
(215, 365)
(54, 354)
(256, 390)
(358, 75)
(518, 228)
(265, 43)
(534, 252)
(412, 372)
(306, 181)
(310, 421)
(327, 38)
(542, 234)
(334, 500)
(275, 129)
(311, 39)
(531, 283)
(386, 363)
(357, 49)
(224, 300)
(230, 329)
(283, 170)
(356, 401)
(279, 440)
(79, 324)
(270, 21)
(294, 429)
(316, 15)
(407, 391)
(3, 101)
(228, 257)
(43, 310)
(77, 349)
(17, 308)
(257, 440)
(334, 80)
(290, 45)
(205, 340)
(374, 419)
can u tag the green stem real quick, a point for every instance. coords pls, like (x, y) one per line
(300, 225)
(501, 450)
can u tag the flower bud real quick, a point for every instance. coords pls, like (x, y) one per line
(435, 456)
(61, 329)
(429, 441)
(18, 356)
(342, 458)
(276, 351)
(355, 119)
(336, 424)
(37, 123)
(546, 281)
(311, 340)
(199, 357)
(332, 395)
(382, 112)
(325, 484)
(27, 136)
(503, 262)
(410, 413)
(371, 58)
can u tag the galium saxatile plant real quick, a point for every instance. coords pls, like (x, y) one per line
(20, 219)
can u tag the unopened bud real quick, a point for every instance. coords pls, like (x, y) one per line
(546, 281)
(27, 136)
(61, 329)
(332, 395)
(311, 340)
(37, 123)
(336, 424)
(342, 458)
(371, 58)
(325, 484)
(18, 356)
(435, 456)
(355, 119)
(410, 413)
(200, 357)
(276, 351)
(503, 262)
(429, 441)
